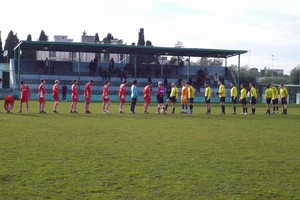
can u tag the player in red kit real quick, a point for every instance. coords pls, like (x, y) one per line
(105, 97)
(41, 96)
(74, 97)
(87, 96)
(122, 95)
(8, 104)
(55, 94)
(25, 95)
(147, 96)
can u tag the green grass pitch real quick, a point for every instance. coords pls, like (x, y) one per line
(149, 156)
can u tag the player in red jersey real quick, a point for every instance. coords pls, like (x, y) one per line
(25, 95)
(147, 96)
(87, 96)
(8, 104)
(55, 94)
(105, 97)
(41, 96)
(74, 97)
(122, 95)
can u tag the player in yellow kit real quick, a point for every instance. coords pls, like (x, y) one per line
(222, 95)
(283, 95)
(191, 96)
(173, 97)
(184, 97)
(268, 97)
(253, 95)
(243, 98)
(274, 99)
(233, 94)
(207, 95)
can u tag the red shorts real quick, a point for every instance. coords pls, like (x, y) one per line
(105, 100)
(42, 100)
(75, 99)
(56, 98)
(24, 99)
(122, 100)
(147, 100)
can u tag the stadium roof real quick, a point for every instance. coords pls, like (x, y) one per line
(126, 49)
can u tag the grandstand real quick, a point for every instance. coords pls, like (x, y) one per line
(66, 71)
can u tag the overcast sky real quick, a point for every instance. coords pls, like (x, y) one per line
(262, 27)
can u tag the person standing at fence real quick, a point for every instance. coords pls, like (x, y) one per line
(64, 89)
(147, 96)
(122, 96)
(283, 95)
(253, 95)
(25, 95)
(207, 95)
(74, 97)
(222, 95)
(105, 97)
(41, 96)
(233, 94)
(243, 99)
(134, 96)
(87, 93)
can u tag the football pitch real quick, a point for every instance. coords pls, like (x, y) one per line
(149, 156)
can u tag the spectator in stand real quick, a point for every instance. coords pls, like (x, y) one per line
(206, 76)
(111, 68)
(41, 67)
(64, 92)
(47, 66)
(216, 78)
(52, 68)
(91, 67)
(95, 66)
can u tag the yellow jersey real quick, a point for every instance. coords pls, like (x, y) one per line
(207, 93)
(191, 92)
(233, 92)
(222, 91)
(243, 94)
(283, 92)
(268, 93)
(253, 92)
(274, 93)
(174, 92)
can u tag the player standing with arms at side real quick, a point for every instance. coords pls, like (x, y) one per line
(87, 94)
(55, 94)
(134, 95)
(233, 94)
(191, 96)
(222, 95)
(74, 97)
(147, 96)
(243, 99)
(160, 98)
(184, 97)
(105, 97)
(8, 104)
(274, 99)
(283, 95)
(173, 97)
(207, 95)
(268, 97)
(122, 96)
(41, 96)
(25, 95)
(253, 95)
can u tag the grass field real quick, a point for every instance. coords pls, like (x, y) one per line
(98, 156)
